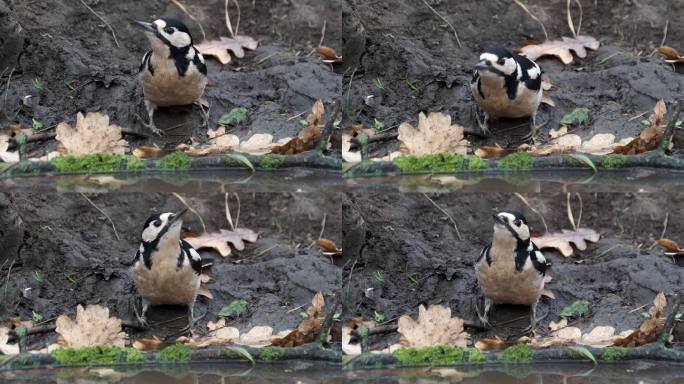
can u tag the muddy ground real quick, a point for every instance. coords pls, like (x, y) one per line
(64, 42)
(402, 42)
(405, 235)
(75, 252)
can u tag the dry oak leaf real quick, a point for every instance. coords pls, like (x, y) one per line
(561, 48)
(257, 144)
(670, 247)
(5, 347)
(308, 329)
(220, 240)
(650, 137)
(434, 134)
(328, 55)
(5, 155)
(671, 55)
(219, 48)
(651, 328)
(308, 137)
(93, 134)
(92, 327)
(434, 326)
(562, 141)
(562, 240)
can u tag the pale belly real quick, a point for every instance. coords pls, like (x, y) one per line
(497, 103)
(502, 284)
(166, 88)
(166, 284)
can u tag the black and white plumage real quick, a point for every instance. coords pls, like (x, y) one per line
(167, 268)
(511, 269)
(173, 72)
(506, 85)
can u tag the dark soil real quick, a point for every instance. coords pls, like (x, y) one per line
(64, 42)
(416, 250)
(402, 42)
(74, 251)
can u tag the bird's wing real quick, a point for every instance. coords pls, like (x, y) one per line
(193, 256)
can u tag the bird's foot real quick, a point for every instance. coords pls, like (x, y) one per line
(482, 122)
(150, 126)
(142, 319)
(191, 323)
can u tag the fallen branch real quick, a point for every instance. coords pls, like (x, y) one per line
(670, 321)
(51, 136)
(669, 130)
(374, 139)
(116, 41)
(328, 322)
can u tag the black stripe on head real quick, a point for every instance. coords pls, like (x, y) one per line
(501, 53)
(179, 25)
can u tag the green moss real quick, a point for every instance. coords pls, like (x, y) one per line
(519, 353)
(175, 161)
(612, 354)
(439, 355)
(613, 161)
(271, 353)
(97, 162)
(99, 355)
(271, 160)
(517, 161)
(178, 353)
(439, 162)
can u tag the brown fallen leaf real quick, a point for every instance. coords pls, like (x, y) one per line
(328, 55)
(308, 137)
(149, 344)
(329, 248)
(670, 247)
(5, 347)
(492, 344)
(308, 329)
(92, 134)
(488, 152)
(220, 240)
(5, 155)
(204, 291)
(92, 327)
(548, 293)
(651, 328)
(562, 240)
(219, 48)
(434, 134)
(546, 87)
(434, 326)
(651, 136)
(670, 55)
(561, 48)
(257, 144)
(149, 152)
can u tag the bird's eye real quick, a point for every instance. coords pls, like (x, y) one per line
(169, 30)
(517, 222)
(157, 223)
(501, 61)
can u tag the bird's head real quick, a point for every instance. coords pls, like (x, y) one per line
(496, 62)
(170, 33)
(511, 224)
(163, 226)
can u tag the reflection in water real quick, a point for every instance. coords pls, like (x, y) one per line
(313, 372)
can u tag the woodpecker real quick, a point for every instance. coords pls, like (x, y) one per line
(506, 85)
(167, 269)
(173, 72)
(511, 269)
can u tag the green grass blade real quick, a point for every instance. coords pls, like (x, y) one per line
(584, 352)
(582, 159)
(242, 352)
(241, 159)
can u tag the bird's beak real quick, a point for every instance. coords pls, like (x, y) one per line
(144, 24)
(177, 216)
(499, 220)
(483, 65)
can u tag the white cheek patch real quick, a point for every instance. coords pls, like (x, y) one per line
(533, 72)
(509, 216)
(150, 233)
(160, 24)
(489, 57)
(179, 39)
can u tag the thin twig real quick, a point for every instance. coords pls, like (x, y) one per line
(116, 233)
(237, 215)
(325, 216)
(182, 200)
(116, 41)
(9, 79)
(667, 218)
(458, 233)
(521, 5)
(228, 22)
(9, 273)
(325, 22)
(571, 217)
(190, 15)
(446, 21)
(579, 217)
(662, 42)
(519, 196)
(570, 22)
(228, 215)
(669, 130)
(670, 321)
